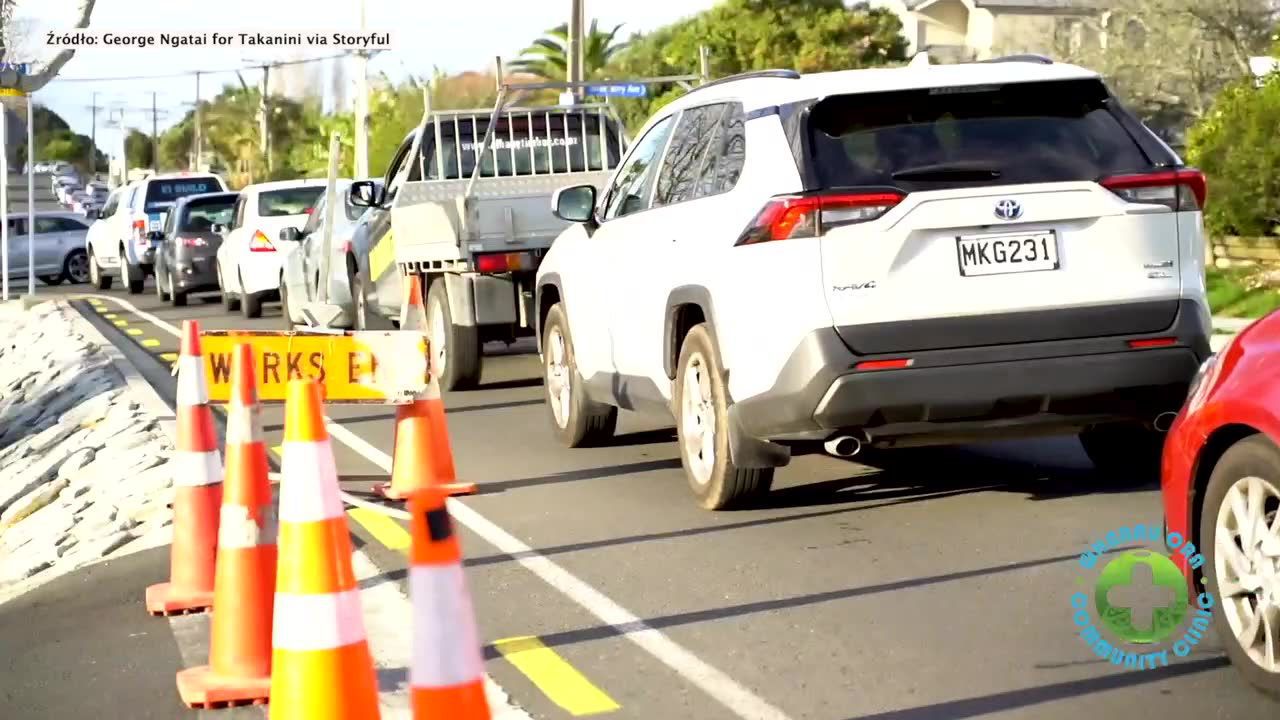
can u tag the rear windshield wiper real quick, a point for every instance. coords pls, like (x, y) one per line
(960, 172)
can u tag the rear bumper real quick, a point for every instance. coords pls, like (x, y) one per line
(957, 394)
(195, 274)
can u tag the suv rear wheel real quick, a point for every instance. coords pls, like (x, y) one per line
(576, 420)
(97, 278)
(132, 277)
(702, 411)
(455, 349)
(1128, 453)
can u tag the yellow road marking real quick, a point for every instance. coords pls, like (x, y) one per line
(555, 677)
(278, 449)
(169, 357)
(382, 528)
(135, 332)
(150, 342)
(110, 316)
(120, 323)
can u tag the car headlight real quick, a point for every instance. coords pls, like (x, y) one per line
(1198, 379)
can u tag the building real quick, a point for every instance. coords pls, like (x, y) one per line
(963, 30)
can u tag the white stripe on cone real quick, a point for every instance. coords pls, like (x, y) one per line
(195, 469)
(317, 622)
(238, 531)
(192, 388)
(446, 646)
(309, 491)
(244, 424)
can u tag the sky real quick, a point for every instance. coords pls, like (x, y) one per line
(454, 36)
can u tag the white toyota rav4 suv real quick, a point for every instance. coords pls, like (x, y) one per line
(888, 257)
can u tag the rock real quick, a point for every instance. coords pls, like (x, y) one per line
(148, 512)
(31, 502)
(43, 528)
(97, 513)
(52, 436)
(93, 410)
(74, 462)
(89, 550)
(40, 471)
(24, 565)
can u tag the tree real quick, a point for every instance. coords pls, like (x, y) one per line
(742, 35)
(548, 57)
(50, 69)
(137, 149)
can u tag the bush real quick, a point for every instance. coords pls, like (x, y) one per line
(1235, 145)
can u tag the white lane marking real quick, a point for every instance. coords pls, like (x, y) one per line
(728, 692)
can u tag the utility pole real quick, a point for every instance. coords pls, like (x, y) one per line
(155, 142)
(93, 135)
(264, 131)
(575, 45)
(362, 104)
(195, 163)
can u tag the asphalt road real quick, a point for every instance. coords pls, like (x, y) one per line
(915, 584)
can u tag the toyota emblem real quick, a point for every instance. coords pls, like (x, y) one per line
(1008, 209)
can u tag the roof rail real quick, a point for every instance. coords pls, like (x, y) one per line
(1024, 57)
(784, 74)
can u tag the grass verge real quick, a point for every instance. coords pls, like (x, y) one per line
(1243, 292)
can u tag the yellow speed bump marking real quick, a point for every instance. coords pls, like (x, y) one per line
(278, 450)
(555, 677)
(382, 528)
(150, 342)
(110, 316)
(133, 332)
(169, 357)
(120, 323)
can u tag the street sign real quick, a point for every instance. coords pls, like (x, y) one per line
(386, 368)
(631, 90)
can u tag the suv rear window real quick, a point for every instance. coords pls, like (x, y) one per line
(290, 201)
(201, 216)
(530, 143)
(956, 137)
(163, 193)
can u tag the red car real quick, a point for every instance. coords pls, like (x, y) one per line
(1221, 484)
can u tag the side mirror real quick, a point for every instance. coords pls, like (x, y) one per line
(365, 193)
(291, 234)
(155, 235)
(575, 204)
(219, 229)
(100, 214)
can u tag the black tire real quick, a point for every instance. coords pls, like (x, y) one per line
(1258, 457)
(230, 302)
(587, 423)
(177, 297)
(462, 344)
(284, 305)
(97, 278)
(160, 291)
(51, 279)
(727, 485)
(251, 304)
(1124, 453)
(133, 278)
(75, 268)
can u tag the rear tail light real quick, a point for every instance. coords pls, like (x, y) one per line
(192, 241)
(1184, 189)
(893, 364)
(504, 262)
(345, 247)
(261, 243)
(140, 231)
(1152, 343)
(788, 217)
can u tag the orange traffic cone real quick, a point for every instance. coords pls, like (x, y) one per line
(321, 668)
(423, 455)
(197, 496)
(239, 669)
(446, 678)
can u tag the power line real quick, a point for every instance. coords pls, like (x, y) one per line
(187, 73)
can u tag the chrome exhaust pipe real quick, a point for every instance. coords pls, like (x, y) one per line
(843, 446)
(1164, 421)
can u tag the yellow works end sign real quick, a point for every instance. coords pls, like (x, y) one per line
(356, 367)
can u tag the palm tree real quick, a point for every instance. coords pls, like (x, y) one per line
(548, 57)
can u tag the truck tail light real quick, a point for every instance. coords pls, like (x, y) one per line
(261, 243)
(1178, 190)
(504, 262)
(140, 231)
(788, 217)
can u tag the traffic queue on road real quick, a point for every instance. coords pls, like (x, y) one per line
(890, 259)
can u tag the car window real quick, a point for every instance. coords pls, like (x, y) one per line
(631, 188)
(17, 226)
(722, 175)
(524, 144)
(133, 198)
(393, 169)
(1011, 134)
(163, 193)
(238, 218)
(170, 220)
(202, 215)
(47, 225)
(288, 201)
(112, 203)
(66, 224)
(693, 148)
(317, 215)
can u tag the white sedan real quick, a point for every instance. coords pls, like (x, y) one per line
(250, 258)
